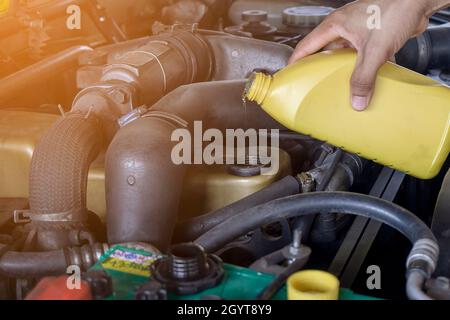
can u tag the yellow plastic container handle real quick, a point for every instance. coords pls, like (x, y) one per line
(4, 6)
(313, 285)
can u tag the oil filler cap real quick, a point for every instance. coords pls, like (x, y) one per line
(305, 16)
(188, 270)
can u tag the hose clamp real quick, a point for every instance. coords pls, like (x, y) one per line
(424, 250)
(26, 216)
(145, 112)
(132, 116)
(171, 118)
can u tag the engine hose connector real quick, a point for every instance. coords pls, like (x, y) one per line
(424, 257)
(85, 256)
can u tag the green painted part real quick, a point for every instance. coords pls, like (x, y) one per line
(126, 267)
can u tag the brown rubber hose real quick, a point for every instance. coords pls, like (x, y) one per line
(60, 164)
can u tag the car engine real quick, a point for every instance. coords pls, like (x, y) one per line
(109, 111)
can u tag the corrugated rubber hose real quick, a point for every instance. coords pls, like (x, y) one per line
(60, 165)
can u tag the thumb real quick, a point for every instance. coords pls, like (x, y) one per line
(364, 77)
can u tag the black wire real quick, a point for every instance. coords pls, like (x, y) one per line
(279, 281)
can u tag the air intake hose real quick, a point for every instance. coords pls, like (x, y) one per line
(428, 51)
(136, 77)
(61, 160)
(143, 186)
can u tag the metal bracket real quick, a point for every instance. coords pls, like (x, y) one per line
(21, 216)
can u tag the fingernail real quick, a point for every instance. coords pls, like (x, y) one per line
(359, 103)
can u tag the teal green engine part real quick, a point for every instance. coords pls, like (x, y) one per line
(129, 269)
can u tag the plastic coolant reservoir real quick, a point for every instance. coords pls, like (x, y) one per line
(405, 127)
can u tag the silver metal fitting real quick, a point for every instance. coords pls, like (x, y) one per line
(424, 250)
(132, 116)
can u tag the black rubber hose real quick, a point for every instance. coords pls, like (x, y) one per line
(429, 50)
(33, 264)
(17, 264)
(191, 229)
(321, 202)
(60, 164)
(441, 227)
(280, 280)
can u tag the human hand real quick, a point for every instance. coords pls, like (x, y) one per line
(349, 27)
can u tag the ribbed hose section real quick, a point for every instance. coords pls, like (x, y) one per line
(60, 164)
(50, 263)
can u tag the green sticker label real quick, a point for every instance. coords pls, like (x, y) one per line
(129, 262)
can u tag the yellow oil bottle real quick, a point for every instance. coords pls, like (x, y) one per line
(405, 127)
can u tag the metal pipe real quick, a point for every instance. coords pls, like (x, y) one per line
(13, 85)
(414, 286)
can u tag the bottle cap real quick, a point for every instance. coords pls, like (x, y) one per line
(313, 285)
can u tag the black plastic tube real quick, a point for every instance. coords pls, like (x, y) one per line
(430, 50)
(18, 264)
(33, 264)
(321, 202)
(191, 229)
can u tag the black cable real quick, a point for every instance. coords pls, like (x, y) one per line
(279, 281)
(312, 203)
(308, 204)
(191, 229)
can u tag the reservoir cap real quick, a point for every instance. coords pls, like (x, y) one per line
(305, 16)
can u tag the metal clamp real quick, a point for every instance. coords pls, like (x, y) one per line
(132, 116)
(425, 250)
(26, 216)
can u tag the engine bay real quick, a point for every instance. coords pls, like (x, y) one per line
(124, 155)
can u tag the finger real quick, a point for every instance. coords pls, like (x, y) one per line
(362, 83)
(338, 44)
(314, 41)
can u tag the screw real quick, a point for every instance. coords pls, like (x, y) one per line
(307, 182)
(297, 238)
(131, 180)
